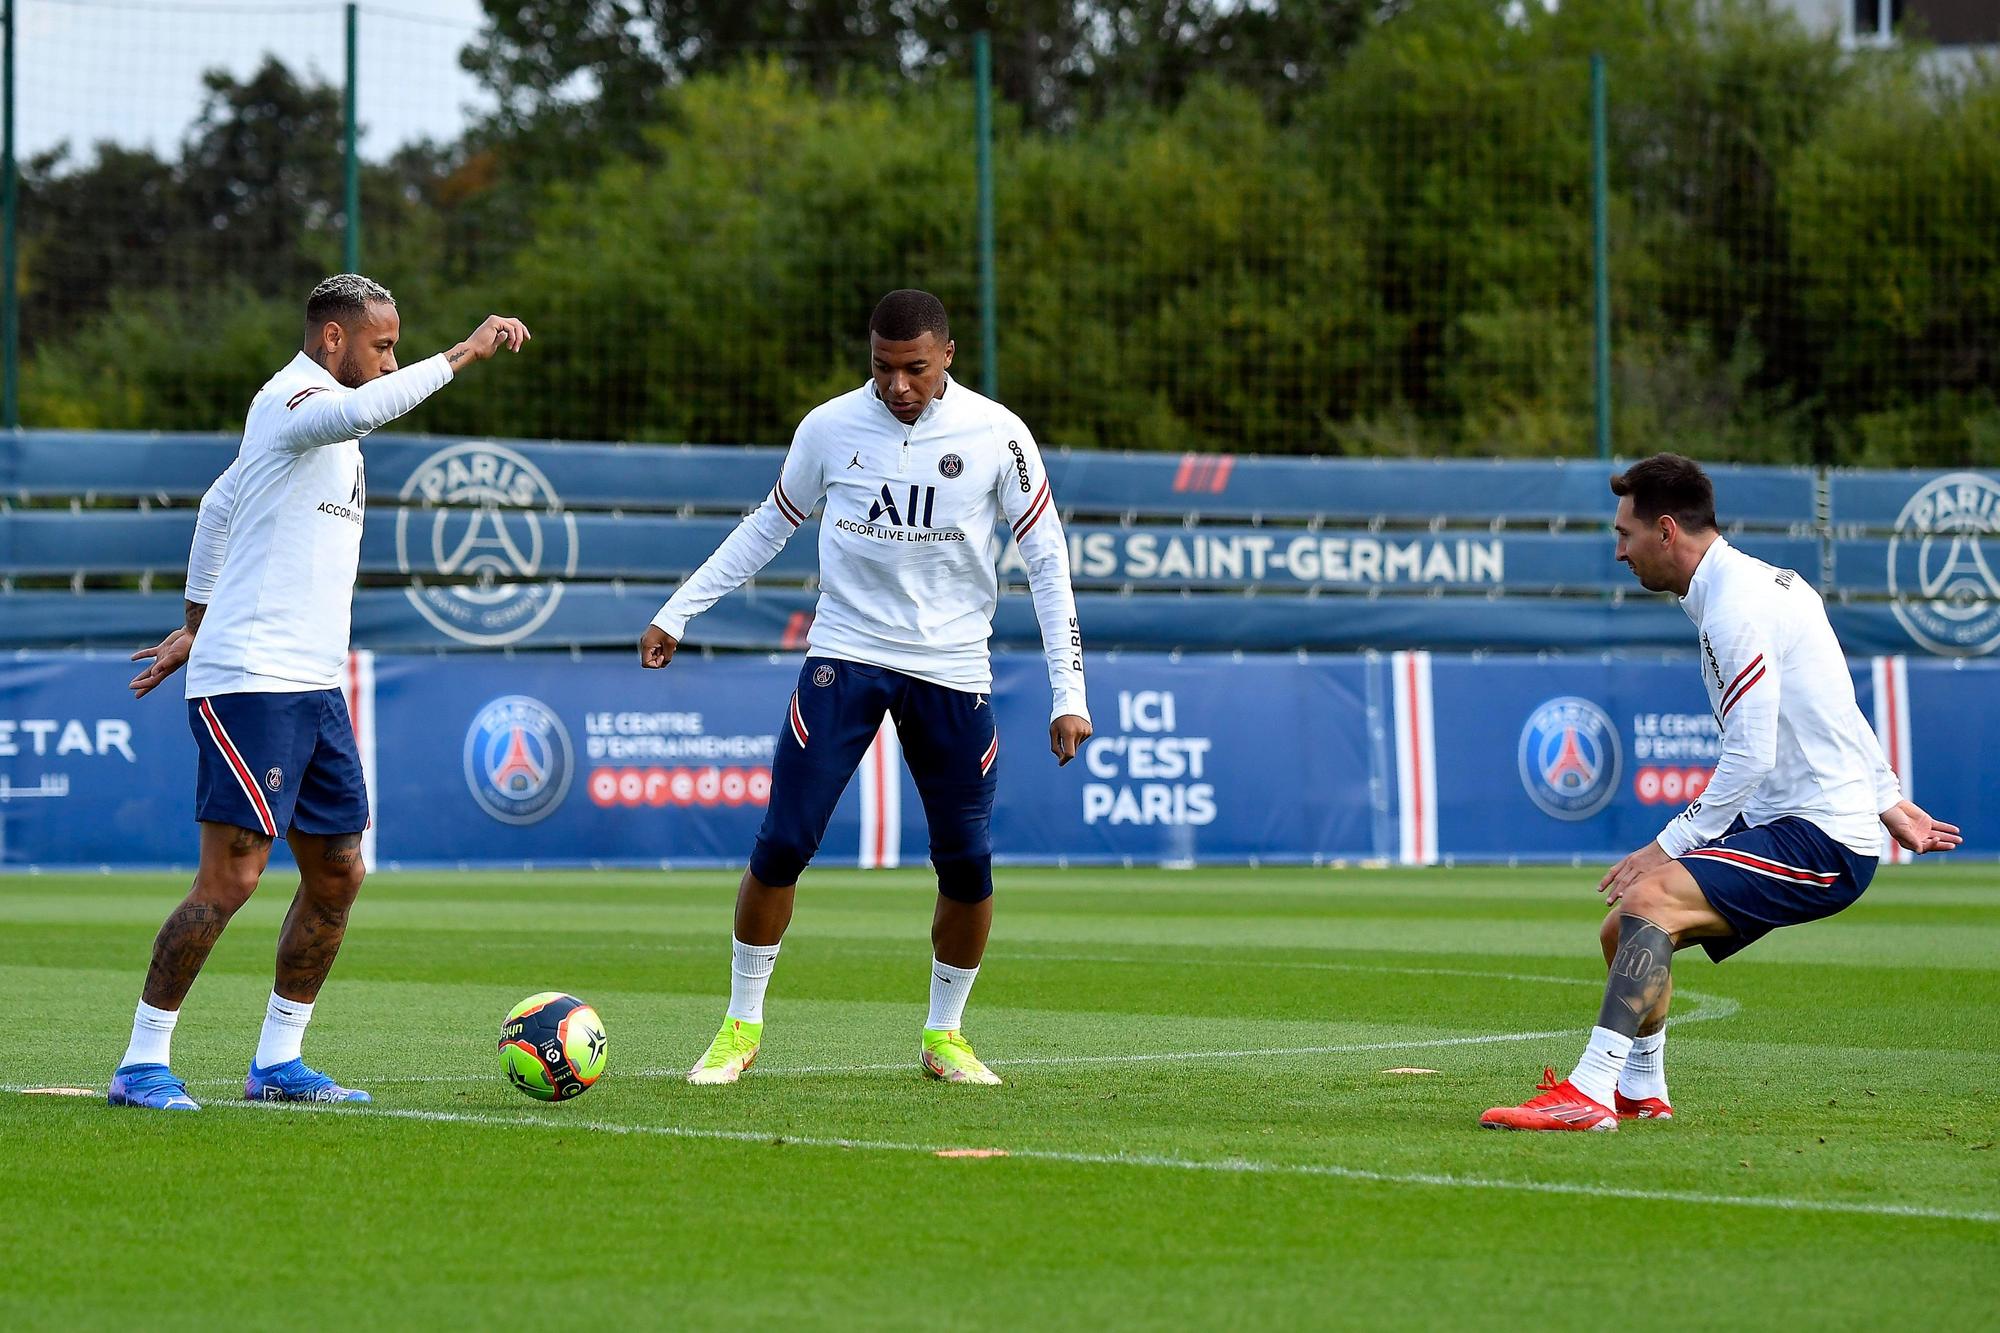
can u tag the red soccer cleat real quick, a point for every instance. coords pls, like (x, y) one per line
(1644, 1108)
(1559, 1106)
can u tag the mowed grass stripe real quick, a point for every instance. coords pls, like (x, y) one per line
(1230, 1165)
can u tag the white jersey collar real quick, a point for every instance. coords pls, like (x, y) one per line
(305, 366)
(1706, 575)
(931, 409)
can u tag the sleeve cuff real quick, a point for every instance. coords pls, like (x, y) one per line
(1070, 705)
(1673, 840)
(672, 624)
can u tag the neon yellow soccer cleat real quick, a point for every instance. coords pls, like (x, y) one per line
(948, 1055)
(733, 1051)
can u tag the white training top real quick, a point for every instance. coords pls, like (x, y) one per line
(278, 539)
(909, 542)
(1793, 740)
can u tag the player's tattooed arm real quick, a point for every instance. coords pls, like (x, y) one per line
(169, 654)
(1641, 973)
(180, 949)
(496, 332)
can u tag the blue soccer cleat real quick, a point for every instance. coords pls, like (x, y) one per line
(296, 1081)
(151, 1086)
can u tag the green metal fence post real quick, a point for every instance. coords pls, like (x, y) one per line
(989, 320)
(10, 309)
(1600, 228)
(352, 135)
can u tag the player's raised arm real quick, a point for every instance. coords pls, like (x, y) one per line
(352, 328)
(1028, 503)
(755, 542)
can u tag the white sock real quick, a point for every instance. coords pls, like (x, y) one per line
(284, 1029)
(1646, 1068)
(749, 974)
(1596, 1075)
(950, 988)
(152, 1036)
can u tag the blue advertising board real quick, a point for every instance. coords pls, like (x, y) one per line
(496, 761)
(484, 759)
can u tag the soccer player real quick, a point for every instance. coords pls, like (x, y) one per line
(917, 472)
(270, 590)
(1788, 827)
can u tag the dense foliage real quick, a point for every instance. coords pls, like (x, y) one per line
(1380, 245)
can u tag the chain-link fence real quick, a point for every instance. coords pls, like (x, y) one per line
(1388, 249)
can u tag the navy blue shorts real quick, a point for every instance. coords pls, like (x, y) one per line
(1777, 874)
(276, 762)
(949, 741)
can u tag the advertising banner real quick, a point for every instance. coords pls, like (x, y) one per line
(545, 760)
(482, 759)
(1537, 760)
(89, 776)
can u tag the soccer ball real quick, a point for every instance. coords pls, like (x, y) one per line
(552, 1046)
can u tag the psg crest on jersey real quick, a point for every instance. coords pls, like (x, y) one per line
(950, 465)
(518, 761)
(1569, 757)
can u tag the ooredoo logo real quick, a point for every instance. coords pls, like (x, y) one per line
(1945, 592)
(1569, 758)
(518, 761)
(499, 526)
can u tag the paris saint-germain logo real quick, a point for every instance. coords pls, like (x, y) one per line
(822, 675)
(1570, 758)
(483, 518)
(1945, 591)
(518, 762)
(950, 466)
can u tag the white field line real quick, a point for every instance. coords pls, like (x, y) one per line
(1708, 1008)
(1226, 1166)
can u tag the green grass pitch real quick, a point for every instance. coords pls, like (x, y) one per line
(1199, 1126)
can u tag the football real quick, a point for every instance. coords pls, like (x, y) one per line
(552, 1046)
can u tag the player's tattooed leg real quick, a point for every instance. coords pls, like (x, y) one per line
(1608, 937)
(232, 859)
(1657, 1019)
(1641, 976)
(317, 921)
(180, 949)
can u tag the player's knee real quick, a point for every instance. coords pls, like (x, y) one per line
(965, 879)
(778, 862)
(1649, 898)
(1607, 936)
(338, 882)
(226, 887)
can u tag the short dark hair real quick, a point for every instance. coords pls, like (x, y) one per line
(1669, 484)
(344, 297)
(907, 314)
